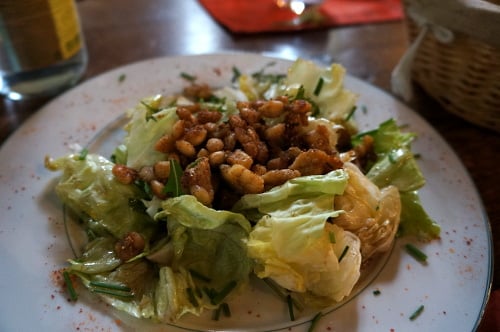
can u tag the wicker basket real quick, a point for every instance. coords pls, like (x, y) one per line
(463, 75)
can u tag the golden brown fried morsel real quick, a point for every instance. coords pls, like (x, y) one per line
(277, 177)
(315, 162)
(161, 170)
(124, 174)
(130, 246)
(242, 179)
(197, 181)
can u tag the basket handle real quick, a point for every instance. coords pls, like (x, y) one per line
(476, 18)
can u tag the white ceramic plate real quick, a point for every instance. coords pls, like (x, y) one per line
(453, 287)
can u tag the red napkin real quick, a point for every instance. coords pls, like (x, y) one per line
(252, 16)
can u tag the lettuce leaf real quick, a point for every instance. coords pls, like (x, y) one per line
(147, 125)
(209, 242)
(292, 241)
(323, 86)
(88, 187)
(331, 184)
(372, 214)
(172, 295)
(396, 165)
(139, 276)
(416, 220)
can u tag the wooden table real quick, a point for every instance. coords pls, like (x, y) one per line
(119, 32)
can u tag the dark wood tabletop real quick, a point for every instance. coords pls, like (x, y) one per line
(119, 32)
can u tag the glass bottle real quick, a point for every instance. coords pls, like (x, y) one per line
(42, 49)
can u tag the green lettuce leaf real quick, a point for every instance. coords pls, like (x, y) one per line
(207, 242)
(323, 86)
(88, 187)
(292, 242)
(98, 257)
(331, 184)
(396, 165)
(414, 219)
(148, 123)
(140, 280)
(173, 295)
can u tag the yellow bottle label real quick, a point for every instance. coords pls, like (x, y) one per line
(40, 32)
(67, 26)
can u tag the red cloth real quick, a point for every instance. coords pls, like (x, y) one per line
(252, 16)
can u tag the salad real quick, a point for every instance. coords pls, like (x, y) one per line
(266, 177)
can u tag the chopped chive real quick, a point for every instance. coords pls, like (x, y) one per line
(188, 77)
(332, 237)
(111, 292)
(300, 93)
(117, 287)
(236, 74)
(364, 109)
(351, 113)
(416, 253)
(277, 289)
(315, 321)
(376, 292)
(417, 312)
(344, 252)
(283, 293)
(226, 310)
(289, 301)
(216, 314)
(191, 297)
(121, 78)
(83, 154)
(224, 292)
(150, 111)
(199, 276)
(69, 285)
(319, 86)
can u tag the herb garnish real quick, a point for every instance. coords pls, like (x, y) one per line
(319, 86)
(416, 253)
(343, 253)
(69, 285)
(314, 321)
(236, 74)
(282, 293)
(226, 310)
(113, 289)
(173, 186)
(351, 113)
(417, 312)
(188, 77)
(83, 154)
(289, 302)
(150, 111)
